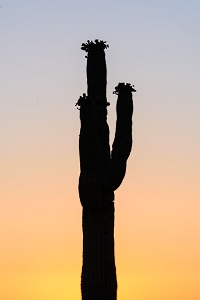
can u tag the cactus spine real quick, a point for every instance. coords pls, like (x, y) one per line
(101, 173)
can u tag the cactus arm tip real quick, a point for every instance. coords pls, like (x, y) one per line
(122, 87)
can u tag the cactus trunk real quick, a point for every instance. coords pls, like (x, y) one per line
(101, 172)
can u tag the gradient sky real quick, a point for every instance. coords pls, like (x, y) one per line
(154, 45)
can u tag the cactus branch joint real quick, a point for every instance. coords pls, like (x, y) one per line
(101, 172)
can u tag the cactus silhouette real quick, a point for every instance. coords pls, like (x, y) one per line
(101, 173)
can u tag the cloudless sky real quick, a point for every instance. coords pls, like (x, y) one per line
(154, 45)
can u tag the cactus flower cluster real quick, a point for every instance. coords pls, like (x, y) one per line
(101, 173)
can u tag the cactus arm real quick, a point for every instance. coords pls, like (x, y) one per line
(93, 159)
(88, 140)
(122, 144)
(89, 158)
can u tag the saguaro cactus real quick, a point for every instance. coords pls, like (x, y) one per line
(101, 173)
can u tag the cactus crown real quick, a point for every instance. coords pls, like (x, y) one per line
(94, 45)
(122, 87)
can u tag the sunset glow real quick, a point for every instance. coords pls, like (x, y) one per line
(154, 45)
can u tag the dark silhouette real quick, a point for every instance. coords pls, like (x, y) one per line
(101, 173)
